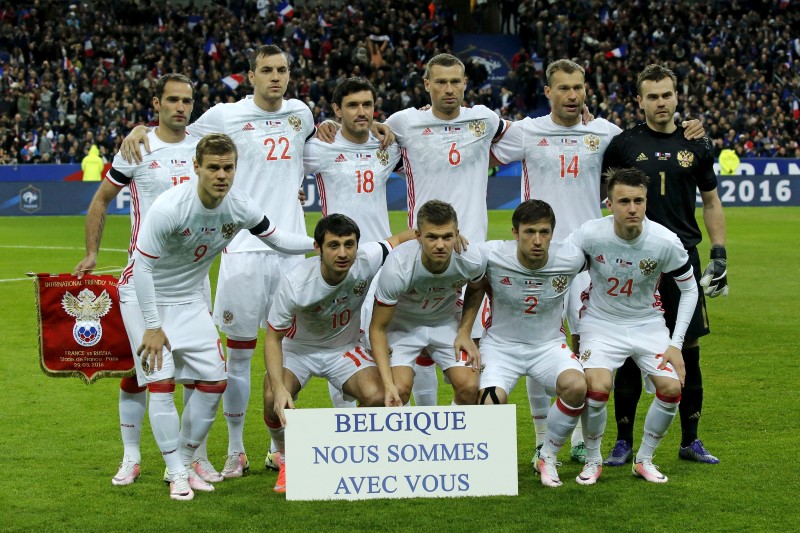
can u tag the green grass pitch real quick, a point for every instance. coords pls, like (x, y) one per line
(60, 444)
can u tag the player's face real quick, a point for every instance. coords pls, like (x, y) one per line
(566, 93)
(215, 178)
(269, 80)
(356, 114)
(533, 243)
(446, 86)
(337, 254)
(437, 245)
(628, 205)
(658, 101)
(175, 106)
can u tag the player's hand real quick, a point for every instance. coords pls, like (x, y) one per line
(715, 276)
(693, 129)
(326, 132)
(586, 115)
(674, 357)
(461, 244)
(151, 350)
(391, 398)
(467, 351)
(383, 133)
(86, 266)
(130, 144)
(301, 195)
(282, 400)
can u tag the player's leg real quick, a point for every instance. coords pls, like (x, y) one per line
(627, 391)
(357, 377)
(501, 370)
(539, 402)
(132, 406)
(200, 463)
(576, 297)
(406, 346)
(426, 381)
(296, 374)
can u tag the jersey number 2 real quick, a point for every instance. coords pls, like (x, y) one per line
(282, 141)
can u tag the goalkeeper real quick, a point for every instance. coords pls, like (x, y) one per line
(677, 168)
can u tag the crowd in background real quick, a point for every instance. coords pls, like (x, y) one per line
(73, 75)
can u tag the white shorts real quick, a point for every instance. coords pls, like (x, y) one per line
(196, 348)
(439, 341)
(574, 301)
(337, 365)
(246, 283)
(505, 363)
(607, 345)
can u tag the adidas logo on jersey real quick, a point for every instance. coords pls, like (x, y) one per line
(543, 142)
(154, 165)
(427, 132)
(186, 233)
(641, 157)
(340, 159)
(600, 259)
(505, 281)
(248, 127)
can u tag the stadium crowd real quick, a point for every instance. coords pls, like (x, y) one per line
(73, 75)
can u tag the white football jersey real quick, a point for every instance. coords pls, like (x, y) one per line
(270, 165)
(561, 165)
(448, 160)
(351, 179)
(625, 274)
(316, 315)
(181, 237)
(527, 305)
(167, 165)
(422, 298)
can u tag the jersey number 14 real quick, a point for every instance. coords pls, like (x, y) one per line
(570, 167)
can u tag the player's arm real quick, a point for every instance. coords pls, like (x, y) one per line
(399, 238)
(715, 276)
(326, 130)
(383, 133)
(473, 299)
(693, 129)
(129, 150)
(154, 339)
(95, 223)
(273, 360)
(684, 278)
(381, 318)
(283, 241)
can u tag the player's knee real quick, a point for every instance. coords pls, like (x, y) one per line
(598, 382)
(491, 396)
(571, 387)
(466, 394)
(669, 387)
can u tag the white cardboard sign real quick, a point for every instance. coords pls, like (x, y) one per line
(408, 452)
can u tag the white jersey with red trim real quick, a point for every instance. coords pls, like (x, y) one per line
(421, 297)
(448, 160)
(351, 180)
(167, 165)
(625, 274)
(527, 305)
(182, 237)
(270, 164)
(561, 165)
(319, 316)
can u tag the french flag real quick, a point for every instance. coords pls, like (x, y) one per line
(795, 110)
(233, 81)
(620, 51)
(307, 49)
(88, 48)
(285, 9)
(322, 22)
(161, 27)
(298, 35)
(66, 64)
(211, 49)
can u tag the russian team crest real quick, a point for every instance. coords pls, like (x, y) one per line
(360, 287)
(383, 157)
(647, 266)
(87, 310)
(227, 317)
(585, 355)
(560, 283)
(228, 230)
(685, 158)
(460, 282)
(477, 127)
(295, 122)
(592, 142)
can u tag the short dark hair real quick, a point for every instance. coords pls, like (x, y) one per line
(350, 86)
(215, 144)
(266, 50)
(443, 60)
(655, 73)
(336, 224)
(161, 84)
(531, 211)
(564, 65)
(436, 213)
(632, 177)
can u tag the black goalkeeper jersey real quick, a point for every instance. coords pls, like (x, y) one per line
(676, 167)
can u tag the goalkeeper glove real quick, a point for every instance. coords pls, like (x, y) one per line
(715, 276)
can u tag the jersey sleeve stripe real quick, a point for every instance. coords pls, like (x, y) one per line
(279, 330)
(409, 188)
(323, 198)
(378, 302)
(137, 217)
(118, 178)
(146, 254)
(526, 182)
(502, 127)
(491, 151)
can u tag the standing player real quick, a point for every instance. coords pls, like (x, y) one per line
(622, 318)
(314, 325)
(185, 229)
(169, 163)
(416, 307)
(677, 167)
(352, 173)
(527, 280)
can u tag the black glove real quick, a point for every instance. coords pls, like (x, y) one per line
(715, 276)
